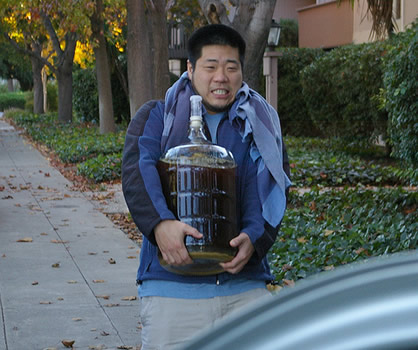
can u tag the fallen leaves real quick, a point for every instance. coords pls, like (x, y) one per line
(289, 283)
(68, 343)
(129, 298)
(99, 281)
(328, 232)
(25, 240)
(112, 305)
(58, 241)
(105, 297)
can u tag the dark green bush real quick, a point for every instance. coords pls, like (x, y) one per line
(51, 97)
(85, 95)
(400, 92)
(86, 98)
(294, 114)
(12, 100)
(288, 33)
(339, 89)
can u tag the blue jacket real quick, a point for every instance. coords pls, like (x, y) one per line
(143, 194)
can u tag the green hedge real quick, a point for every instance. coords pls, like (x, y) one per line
(103, 167)
(340, 90)
(322, 230)
(12, 100)
(400, 93)
(51, 97)
(289, 35)
(86, 97)
(294, 113)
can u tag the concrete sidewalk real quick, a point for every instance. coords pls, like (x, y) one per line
(66, 272)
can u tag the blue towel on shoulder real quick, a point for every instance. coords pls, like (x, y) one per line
(258, 122)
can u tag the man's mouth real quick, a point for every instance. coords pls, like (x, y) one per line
(220, 92)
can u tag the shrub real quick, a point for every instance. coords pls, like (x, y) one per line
(339, 90)
(12, 100)
(102, 168)
(289, 33)
(85, 95)
(400, 92)
(52, 96)
(322, 230)
(294, 114)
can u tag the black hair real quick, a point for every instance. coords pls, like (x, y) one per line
(214, 34)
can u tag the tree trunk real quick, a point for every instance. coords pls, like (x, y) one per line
(38, 90)
(161, 78)
(44, 89)
(10, 86)
(106, 117)
(252, 19)
(65, 80)
(138, 56)
(63, 68)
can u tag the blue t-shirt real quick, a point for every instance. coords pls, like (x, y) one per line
(212, 121)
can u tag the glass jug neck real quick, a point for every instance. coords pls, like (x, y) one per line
(196, 134)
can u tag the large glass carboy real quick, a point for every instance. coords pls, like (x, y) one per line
(199, 184)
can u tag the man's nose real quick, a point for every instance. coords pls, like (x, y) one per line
(220, 75)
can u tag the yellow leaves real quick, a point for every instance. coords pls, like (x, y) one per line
(302, 240)
(83, 55)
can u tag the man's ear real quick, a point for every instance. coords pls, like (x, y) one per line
(189, 69)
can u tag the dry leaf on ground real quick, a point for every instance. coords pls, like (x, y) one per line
(25, 240)
(68, 343)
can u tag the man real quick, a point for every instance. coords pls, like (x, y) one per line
(174, 307)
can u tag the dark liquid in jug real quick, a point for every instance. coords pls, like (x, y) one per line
(204, 198)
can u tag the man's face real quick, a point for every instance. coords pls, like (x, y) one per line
(217, 77)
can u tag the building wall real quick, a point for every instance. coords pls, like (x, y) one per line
(408, 11)
(288, 9)
(326, 25)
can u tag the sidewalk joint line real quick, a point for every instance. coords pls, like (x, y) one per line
(4, 323)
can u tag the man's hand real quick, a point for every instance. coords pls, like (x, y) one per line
(245, 251)
(169, 235)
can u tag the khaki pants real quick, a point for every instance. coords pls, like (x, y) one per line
(167, 323)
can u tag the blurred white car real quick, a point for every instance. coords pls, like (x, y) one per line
(370, 305)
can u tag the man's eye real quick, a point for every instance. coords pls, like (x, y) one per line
(232, 69)
(210, 67)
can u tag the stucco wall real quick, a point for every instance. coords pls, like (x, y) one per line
(326, 25)
(363, 22)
